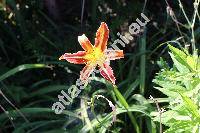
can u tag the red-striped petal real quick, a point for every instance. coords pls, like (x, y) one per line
(76, 58)
(107, 72)
(114, 54)
(85, 73)
(85, 43)
(102, 36)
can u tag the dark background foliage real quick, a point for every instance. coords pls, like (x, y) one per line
(40, 31)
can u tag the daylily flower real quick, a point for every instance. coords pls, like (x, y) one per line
(97, 55)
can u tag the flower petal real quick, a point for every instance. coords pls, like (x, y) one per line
(76, 58)
(114, 54)
(85, 43)
(107, 72)
(102, 36)
(85, 73)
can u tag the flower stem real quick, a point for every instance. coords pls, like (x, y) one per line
(126, 106)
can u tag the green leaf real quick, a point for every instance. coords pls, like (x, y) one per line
(169, 117)
(48, 89)
(180, 56)
(180, 127)
(192, 62)
(167, 92)
(35, 111)
(107, 120)
(171, 86)
(131, 88)
(22, 68)
(190, 106)
(181, 68)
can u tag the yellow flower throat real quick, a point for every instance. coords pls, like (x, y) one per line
(96, 56)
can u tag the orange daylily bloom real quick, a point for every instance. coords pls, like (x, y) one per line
(97, 55)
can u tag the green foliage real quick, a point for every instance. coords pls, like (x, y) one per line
(181, 84)
(34, 34)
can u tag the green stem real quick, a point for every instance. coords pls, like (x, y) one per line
(142, 63)
(126, 106)
(142, 68)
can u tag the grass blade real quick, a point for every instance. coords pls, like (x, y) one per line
(21, 68)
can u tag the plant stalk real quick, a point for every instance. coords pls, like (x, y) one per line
(126, 106)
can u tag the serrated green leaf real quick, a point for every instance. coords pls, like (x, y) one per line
(180, 56)
(190, 106)
(180, 127)
(181, 68)
(192, 62)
